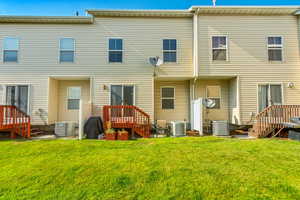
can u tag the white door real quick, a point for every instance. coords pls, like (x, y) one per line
(197, 118)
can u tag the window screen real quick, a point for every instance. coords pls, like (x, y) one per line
(67, 46)
(170, 50)
(11, 48)
(74, 96)
(219, 47)
(115, 53)
(168, 98)
(275, 48)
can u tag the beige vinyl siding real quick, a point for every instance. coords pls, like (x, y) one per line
(64, 114)
(2, 94)
(53, 101)
(248, 56)
(142, 37)
(181, 111)
(214, 114)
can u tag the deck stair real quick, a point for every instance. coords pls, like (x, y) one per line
(273, 119)
(15, 121)
(128, 117)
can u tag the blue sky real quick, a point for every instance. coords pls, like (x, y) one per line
(68, 8)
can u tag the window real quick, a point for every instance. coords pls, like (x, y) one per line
(275, 48)
(219, 48)
(18, 95)
(67, 49)
(74, 96)
(168, 98)
(213, 92)
(11, 48)
(269, 94)
(115, 51)
(169, 50)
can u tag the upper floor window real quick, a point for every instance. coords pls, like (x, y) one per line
(169, 50)
(11, 48)
(275, 48)
(168, 97)
(67, 49)
(115, 51)
(219, 48)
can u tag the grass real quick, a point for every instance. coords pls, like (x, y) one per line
(170, 168)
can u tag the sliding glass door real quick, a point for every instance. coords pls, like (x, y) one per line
(18, 95)
(122, 95)
(269, 94)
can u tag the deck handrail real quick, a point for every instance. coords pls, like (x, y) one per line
(127, 116)
(274, 117)
(14, 120)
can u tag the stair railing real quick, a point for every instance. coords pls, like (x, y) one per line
(274, 117)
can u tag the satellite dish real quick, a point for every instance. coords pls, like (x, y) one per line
(209, 103)
(155, 61)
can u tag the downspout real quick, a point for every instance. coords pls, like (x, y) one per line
(195, 52)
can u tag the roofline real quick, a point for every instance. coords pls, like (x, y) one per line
(139, 13)
(246, 10)
(46, 19)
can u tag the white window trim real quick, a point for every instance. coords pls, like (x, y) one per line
(18, 50)
(220, 92)
(122, 50)
(220, 48)
(68, 94)
(176, 51)
(29, 94)
(59, 50)
(268, 83)
(161, 97)
(122, 84)
(281, 47)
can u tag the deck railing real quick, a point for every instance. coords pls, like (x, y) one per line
(14, 120)
(127, 116)
(274, 118)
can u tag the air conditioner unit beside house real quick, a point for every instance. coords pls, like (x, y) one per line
(178, 128)
(64, 129)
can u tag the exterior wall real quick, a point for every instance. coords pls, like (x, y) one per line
(215, 114)
(53, 101)
(181, 111)
(247, 41)
(39, 52)
(72, 115)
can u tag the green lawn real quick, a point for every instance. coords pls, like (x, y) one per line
(170, 168)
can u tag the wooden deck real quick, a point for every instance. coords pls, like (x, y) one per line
(274, 119)
(128, 117)
(15, 121)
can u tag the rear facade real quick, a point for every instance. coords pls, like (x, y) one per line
(242, 58)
